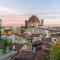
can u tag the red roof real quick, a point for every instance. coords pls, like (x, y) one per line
(33, 19)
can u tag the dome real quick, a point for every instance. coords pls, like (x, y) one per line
(33, 19)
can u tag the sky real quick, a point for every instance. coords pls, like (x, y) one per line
(14, 12)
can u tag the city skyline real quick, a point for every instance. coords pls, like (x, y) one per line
(16, 11)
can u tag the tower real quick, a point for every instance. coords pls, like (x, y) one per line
(25, 23)
(42, 22)
(1, 45)
(0, 28)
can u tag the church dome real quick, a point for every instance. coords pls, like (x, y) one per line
(33, 19)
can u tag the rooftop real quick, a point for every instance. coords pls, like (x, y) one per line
(33, 19)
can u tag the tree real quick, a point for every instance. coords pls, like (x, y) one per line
(55, 51)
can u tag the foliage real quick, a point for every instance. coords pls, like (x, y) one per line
(46, 57)
(6, 44)
(55, 51)
(5, 41)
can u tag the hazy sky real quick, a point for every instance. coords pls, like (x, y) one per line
(16, 11)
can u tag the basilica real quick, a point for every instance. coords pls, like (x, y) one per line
(33, 21)
(34, 26)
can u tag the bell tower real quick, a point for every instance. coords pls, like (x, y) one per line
(0, 28)
(42, 22)
(26, 24)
